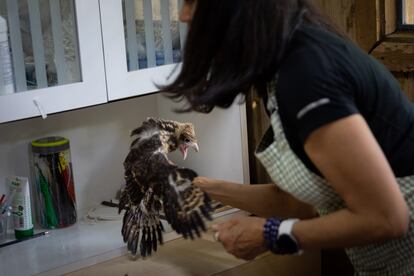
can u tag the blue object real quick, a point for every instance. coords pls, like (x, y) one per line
(159, 59)
(270, 233)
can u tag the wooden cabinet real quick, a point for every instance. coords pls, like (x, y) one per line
(57, 57)
(373, 25)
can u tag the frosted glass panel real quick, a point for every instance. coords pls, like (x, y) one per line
(153, 34)
(39, 44)
(408, 10)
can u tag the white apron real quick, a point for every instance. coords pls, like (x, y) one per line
(392, 258)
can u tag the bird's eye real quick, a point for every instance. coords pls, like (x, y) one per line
(186, 140)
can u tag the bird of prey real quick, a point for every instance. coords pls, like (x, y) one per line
(156, 186)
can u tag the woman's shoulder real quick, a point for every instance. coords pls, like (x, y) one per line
(324, 48)
(316, 54)
(315, 36)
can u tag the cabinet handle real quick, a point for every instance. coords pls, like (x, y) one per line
(39, 106)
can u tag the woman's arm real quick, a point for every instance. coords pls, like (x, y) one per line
(265, 200)
(350, 158)
(348, 155)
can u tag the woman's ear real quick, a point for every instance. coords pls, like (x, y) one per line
(187, 11)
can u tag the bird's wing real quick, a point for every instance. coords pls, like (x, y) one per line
(185, 204)
(141, 228)
(155, 183)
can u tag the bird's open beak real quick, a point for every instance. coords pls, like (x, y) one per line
(184, 149)
(195, 147)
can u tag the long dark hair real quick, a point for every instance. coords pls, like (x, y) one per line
(235, 45)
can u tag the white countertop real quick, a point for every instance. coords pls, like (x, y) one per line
(65, 250)
(61, 247)
(69, 249)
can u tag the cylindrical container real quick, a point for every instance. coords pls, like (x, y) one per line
(19, 193)
(6, 68)
(55, 190)
(3, 226)
(5, 214)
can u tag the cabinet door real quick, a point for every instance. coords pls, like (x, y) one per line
(51, 57)
(142, 44)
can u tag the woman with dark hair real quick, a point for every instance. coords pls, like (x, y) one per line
(341, 135)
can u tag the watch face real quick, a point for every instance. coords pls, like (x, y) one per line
(286, 244)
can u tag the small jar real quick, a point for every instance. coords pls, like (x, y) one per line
(55, 189)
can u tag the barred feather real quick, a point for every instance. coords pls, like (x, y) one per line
(155, 185)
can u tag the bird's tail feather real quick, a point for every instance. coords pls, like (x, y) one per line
(143, 229)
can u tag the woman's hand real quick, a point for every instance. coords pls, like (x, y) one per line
(242, 236)
(204, 183)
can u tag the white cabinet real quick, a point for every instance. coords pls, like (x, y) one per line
(68, 54)
(142, 42)
(56, 54)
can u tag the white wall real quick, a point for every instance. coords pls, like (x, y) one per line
(99, 141)
(219, 135)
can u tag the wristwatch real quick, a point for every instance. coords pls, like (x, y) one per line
(286, 243)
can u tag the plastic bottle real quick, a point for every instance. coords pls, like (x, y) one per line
(21, 207)
(6, 69)
(55, 188)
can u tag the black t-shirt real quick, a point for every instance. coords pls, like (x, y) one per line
(324, 78)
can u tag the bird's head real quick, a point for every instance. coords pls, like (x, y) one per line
(186, 138)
